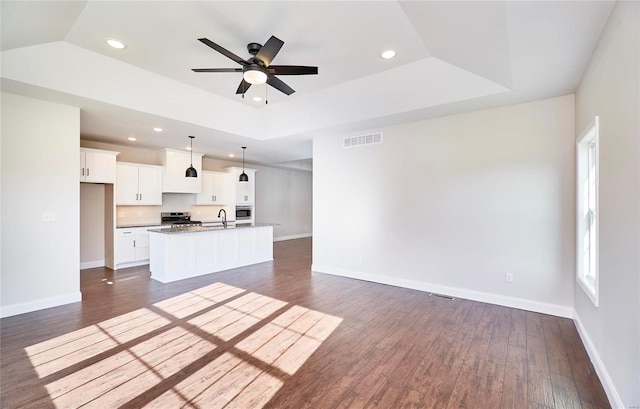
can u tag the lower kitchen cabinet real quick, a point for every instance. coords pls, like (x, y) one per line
(132, 246)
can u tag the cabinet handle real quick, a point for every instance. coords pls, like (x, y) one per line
(126, 232)
(140, 196)
(212, 199)
(134, 243)
(87, 171)
(82, 171)
(246, 198)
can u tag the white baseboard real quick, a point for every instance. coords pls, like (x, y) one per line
(523, 304)
(292, 237)
(612, 394)
(35, 305)
(91, 264)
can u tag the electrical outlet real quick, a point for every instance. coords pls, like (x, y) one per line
(508, 278)
(121, 214)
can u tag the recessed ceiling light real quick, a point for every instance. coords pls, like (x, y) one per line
(388, 54)
(115, 43)
(132, 139)
(231, 155)
(158, 129)
(257, 99)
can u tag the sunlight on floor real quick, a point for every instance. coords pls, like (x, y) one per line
(216, 347)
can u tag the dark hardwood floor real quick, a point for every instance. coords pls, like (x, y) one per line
(276, 335)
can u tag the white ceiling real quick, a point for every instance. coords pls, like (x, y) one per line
(452, 57)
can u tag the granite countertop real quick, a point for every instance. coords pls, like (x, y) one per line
(199, 229)
(158, 224)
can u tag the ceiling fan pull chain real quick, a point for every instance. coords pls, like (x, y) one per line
(266, 94)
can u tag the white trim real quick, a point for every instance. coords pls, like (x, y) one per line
(15, 309)
(292, 237)
(131, 264)
(523, 304)
(592, 294)
(91, 264)
(612, 394)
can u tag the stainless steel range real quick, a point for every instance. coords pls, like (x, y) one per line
(178, 219)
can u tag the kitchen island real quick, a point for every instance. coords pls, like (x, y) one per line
(184, 252)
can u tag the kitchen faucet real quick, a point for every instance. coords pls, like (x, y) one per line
(224, 217)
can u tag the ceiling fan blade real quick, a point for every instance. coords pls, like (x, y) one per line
(278, 84)
(269, 50)
(243, 87)
(292, 70)
(223, 51)
(216, 69)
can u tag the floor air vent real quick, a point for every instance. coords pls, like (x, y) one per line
(369, 139)
(446, 297)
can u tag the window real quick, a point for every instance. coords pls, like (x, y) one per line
(587, 211)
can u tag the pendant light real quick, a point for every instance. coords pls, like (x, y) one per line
(243, 176)
(191, 171)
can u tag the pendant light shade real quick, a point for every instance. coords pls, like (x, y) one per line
(191, 171)
(243, 176)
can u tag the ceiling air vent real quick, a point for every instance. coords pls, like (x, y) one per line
(369, 139)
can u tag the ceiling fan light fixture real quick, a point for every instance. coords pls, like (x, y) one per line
(255, 75)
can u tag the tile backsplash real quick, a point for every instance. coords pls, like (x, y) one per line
(171, 202)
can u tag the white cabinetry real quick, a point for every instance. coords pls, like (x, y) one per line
(132, 246)
(217, 189)
(138, 184)
(97, 166)
(245, 192)
(175, 256)
(175, 164)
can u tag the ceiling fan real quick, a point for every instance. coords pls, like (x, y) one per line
(257, 69)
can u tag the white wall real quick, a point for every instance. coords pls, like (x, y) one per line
(453, 204)
(611, 89)
(283, 195)
(40, 163)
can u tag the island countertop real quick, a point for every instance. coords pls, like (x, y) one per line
(199, 229)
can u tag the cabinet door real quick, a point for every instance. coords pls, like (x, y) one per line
(100, 167)
(83, 161)
(206, 197)
(221, 189)
(142, 243)
(150, 185)
(245, 191)
(126, 184)
(126, 252)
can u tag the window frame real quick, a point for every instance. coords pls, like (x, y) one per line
(589, 139)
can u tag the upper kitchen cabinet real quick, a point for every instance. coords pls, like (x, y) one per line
(97, 166)
(217, 189)
(175, 164)
(245, 191)
(138, 184)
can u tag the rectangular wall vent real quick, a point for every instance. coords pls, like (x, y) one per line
(369, 139)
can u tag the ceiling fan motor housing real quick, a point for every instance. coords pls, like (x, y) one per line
(253, 48)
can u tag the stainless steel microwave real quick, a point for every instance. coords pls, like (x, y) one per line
(244, 212)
